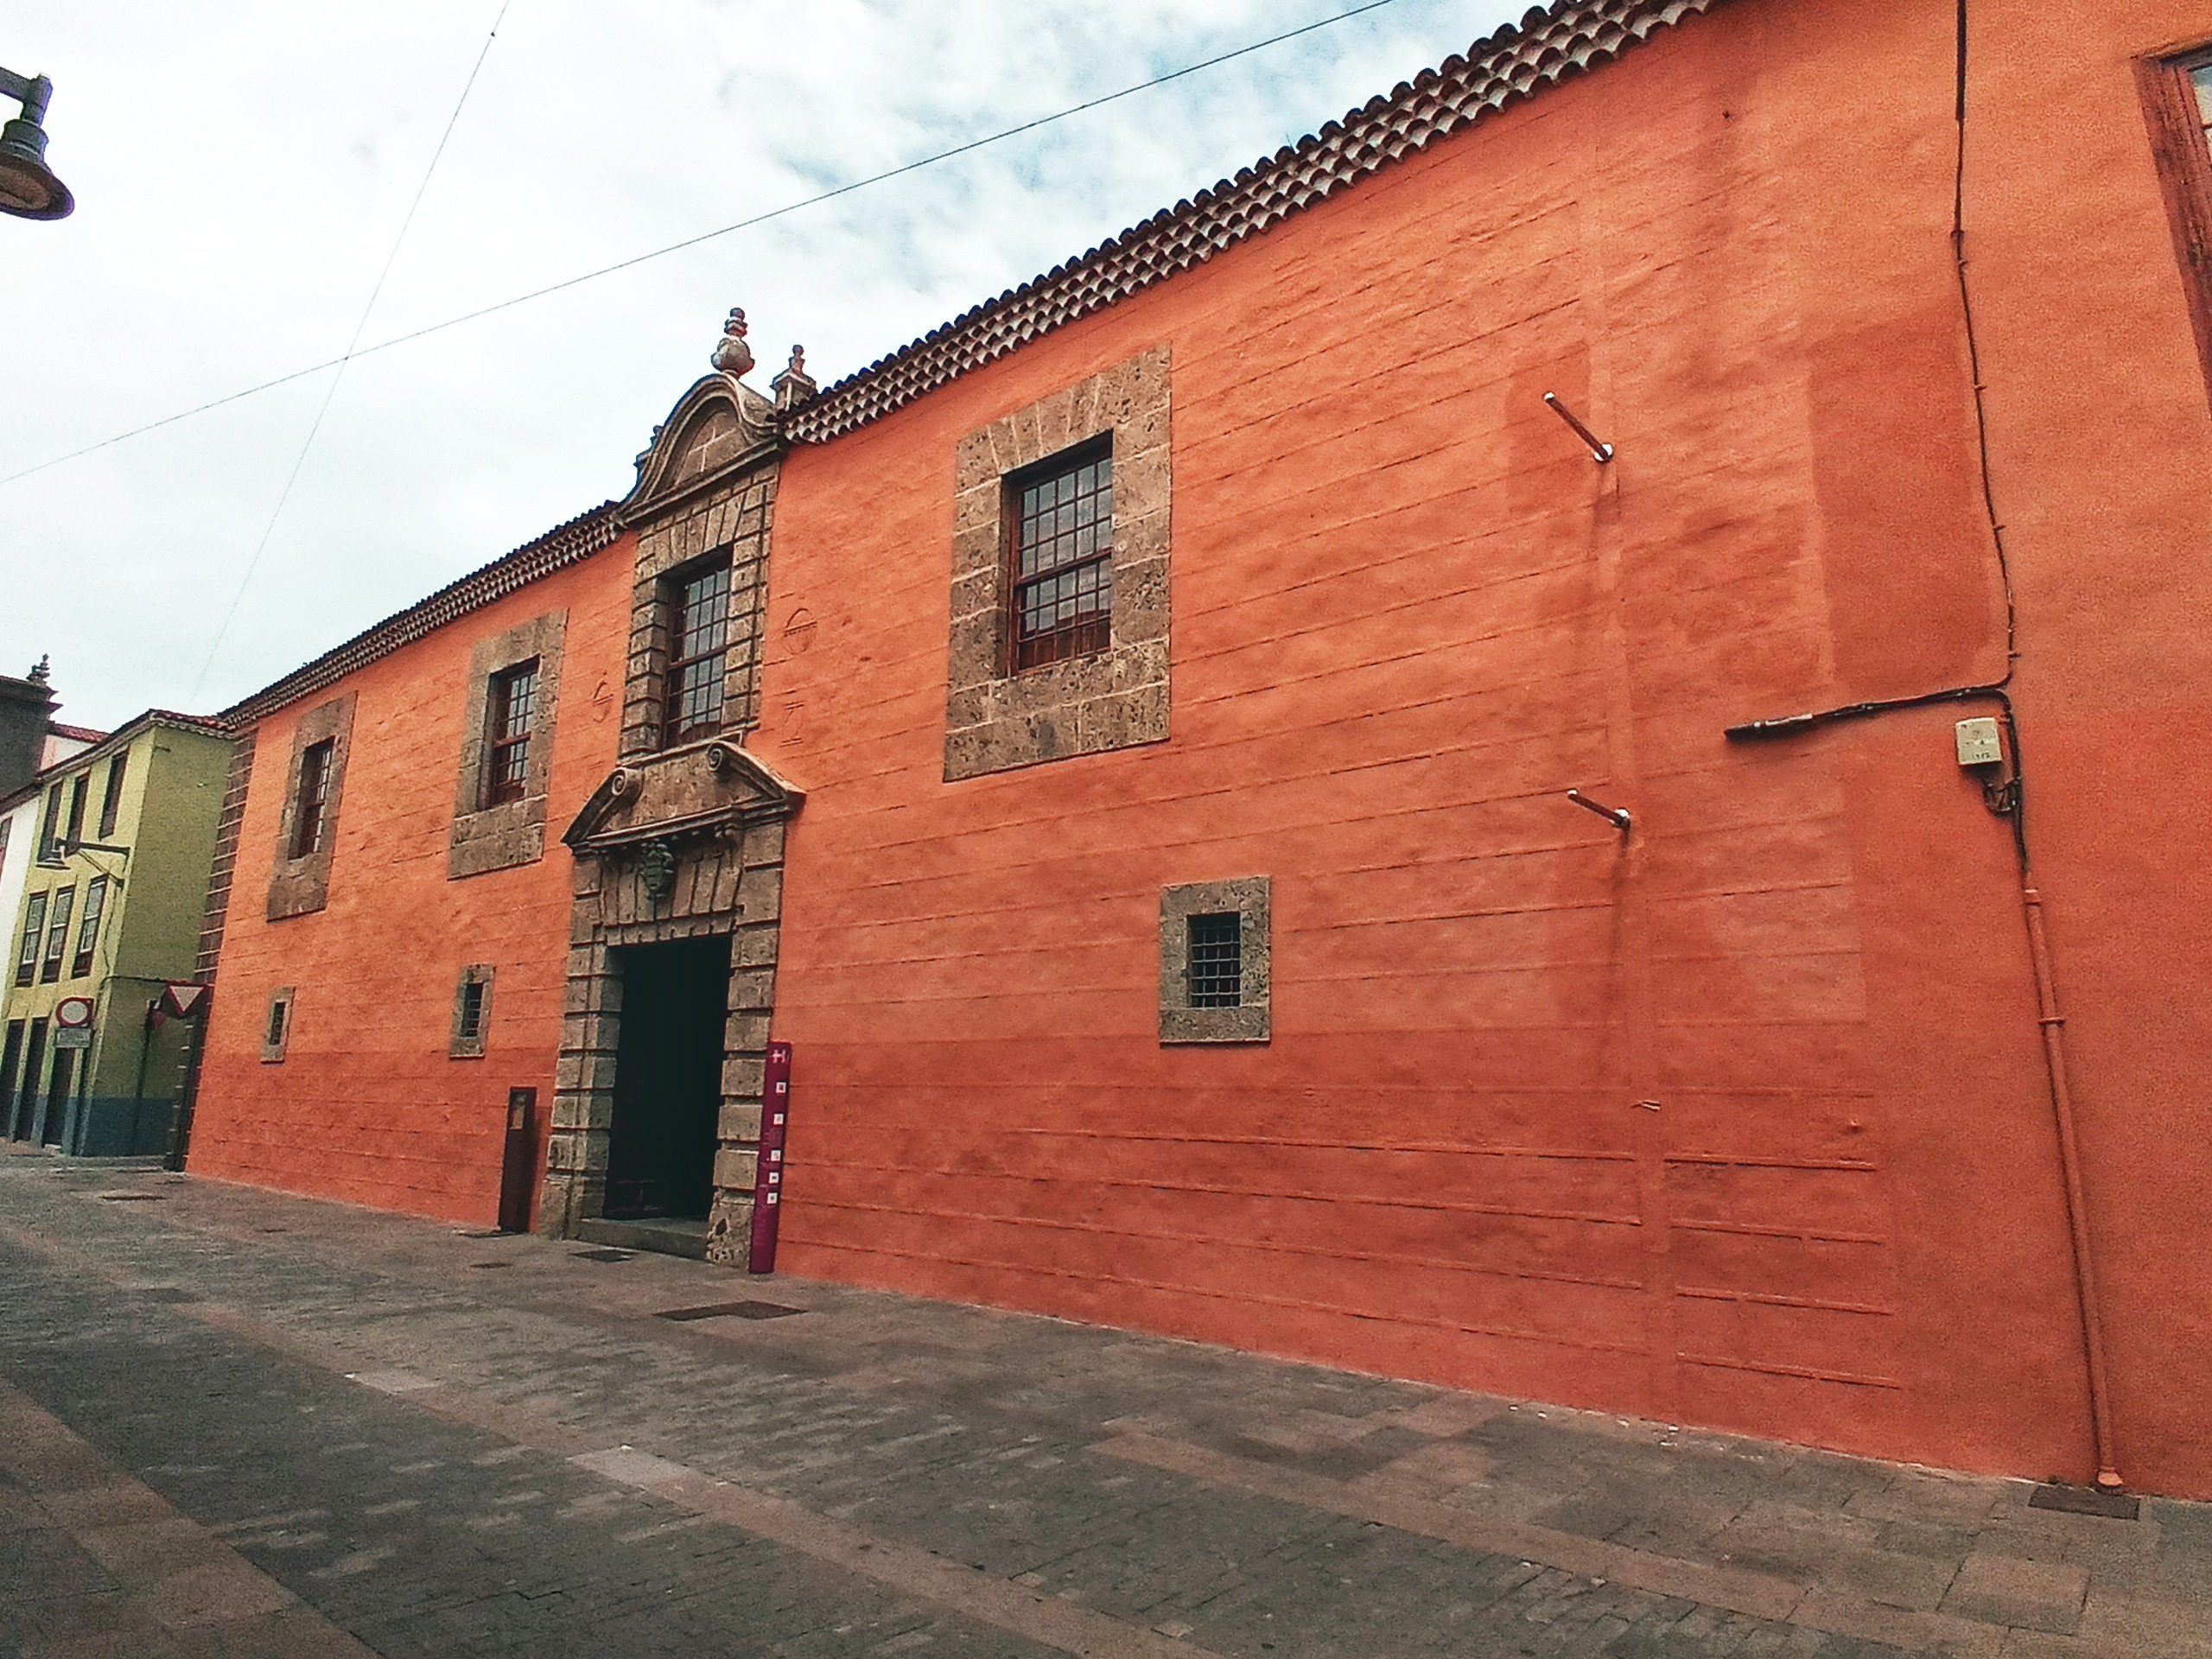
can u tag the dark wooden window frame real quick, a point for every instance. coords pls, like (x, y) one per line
(49, 835)
(33, 935)
(314, 787)
(507, 743)
(88, 926)
(79, 787)
(1089, 631)
(696, 646)
(111, 795)
(57, 934)
(2183, 153)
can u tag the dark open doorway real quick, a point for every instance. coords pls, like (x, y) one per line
(668, 1078)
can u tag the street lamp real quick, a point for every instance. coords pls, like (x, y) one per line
(27, 186)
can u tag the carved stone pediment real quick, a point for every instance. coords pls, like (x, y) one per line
(718, 427)
(696, 791)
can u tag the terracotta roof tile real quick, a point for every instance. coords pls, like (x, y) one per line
(1518, 62)
(558, 548)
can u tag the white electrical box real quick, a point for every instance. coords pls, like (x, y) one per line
(1980, 744)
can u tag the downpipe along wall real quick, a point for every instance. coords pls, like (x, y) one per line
(2007, 800)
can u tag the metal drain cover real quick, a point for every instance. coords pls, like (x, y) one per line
(171, 1293)
(486, 1266)
(2082, 1500)
(134, 1198)
(605, 1256)
(730, 1311)
(483, 1232)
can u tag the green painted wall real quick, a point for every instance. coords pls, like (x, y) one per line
(121, 1092)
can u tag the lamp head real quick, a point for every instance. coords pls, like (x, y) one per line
(27, 186)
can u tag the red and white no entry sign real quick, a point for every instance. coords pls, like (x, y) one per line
(73, 1012)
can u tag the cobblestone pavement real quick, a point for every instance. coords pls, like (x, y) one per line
(238, 1424)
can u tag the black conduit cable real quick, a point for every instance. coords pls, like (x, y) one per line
(2011, 801)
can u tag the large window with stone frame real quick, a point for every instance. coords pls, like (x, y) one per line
(314, 796)
(1059, 519)
(510, 712)
(33, 930)
(2177, 91)
(698, 602)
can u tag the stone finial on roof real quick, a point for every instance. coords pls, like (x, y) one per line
(794, 385)
(732, 355)
(42, 671)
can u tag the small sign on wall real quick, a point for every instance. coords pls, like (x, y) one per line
(72, 1037)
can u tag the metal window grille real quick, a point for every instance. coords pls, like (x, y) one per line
(111, 795)
(1062, 537)
(315, 798)
(280, 1011)
(1217, 961)
(698, 648)
(88, 930)
(514, 710)
(33, 930)
(57, 935)
(471, 1010)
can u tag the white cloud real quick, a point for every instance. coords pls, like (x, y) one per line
(240, 172)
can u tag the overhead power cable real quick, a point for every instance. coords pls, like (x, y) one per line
(360, 326)
(636, 260)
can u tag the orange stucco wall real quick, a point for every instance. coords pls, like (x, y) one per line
(1744, 1121)
(1409, 612)
(366, 1106)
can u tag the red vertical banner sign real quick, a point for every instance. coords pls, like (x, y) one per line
(768, 1179)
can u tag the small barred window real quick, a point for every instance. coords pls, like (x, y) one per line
(1216, 973)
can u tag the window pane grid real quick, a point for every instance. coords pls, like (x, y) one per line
(1063, 561)
(88, 930)
(315, 798)
(57, 935)
(514, 708)
(34, 929)
(698, 662)
(1217, 961)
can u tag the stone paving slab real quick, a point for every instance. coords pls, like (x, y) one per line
(428, 1457)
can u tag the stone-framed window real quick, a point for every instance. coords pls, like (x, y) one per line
(276, 1028)
(472, 1011)
(306, 829)
(1214, 962)
(498, 815)
(1006, 706)
(723, 529)
(697, 600)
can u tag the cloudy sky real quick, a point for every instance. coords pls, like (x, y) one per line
(241, 172)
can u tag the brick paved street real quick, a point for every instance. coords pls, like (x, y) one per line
(238, 1424)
